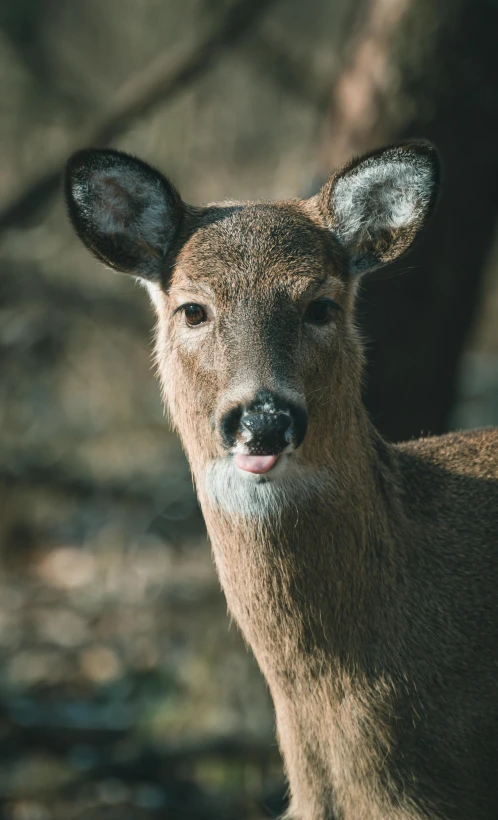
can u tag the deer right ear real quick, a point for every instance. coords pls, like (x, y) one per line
(124, 211)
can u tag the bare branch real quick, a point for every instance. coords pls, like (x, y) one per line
(139, 95)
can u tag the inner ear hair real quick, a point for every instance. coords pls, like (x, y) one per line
(378, 203)
(124, 210)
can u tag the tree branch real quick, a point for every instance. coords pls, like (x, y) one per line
(139, 95)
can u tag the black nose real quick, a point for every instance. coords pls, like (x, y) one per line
(267, 425)
(270, 433)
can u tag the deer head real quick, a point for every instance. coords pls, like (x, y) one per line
(257, 351)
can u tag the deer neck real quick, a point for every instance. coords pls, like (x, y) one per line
(309, 574)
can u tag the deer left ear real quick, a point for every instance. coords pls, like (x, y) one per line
(378, 204)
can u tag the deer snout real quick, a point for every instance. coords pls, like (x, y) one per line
(259, 431)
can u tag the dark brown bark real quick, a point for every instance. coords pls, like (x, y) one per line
(425, 69)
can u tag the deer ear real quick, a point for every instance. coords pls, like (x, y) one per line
(124, 211)
(378, 204)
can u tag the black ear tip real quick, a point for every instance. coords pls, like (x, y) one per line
(89, 158)
(80, 159)
(427, 150)
(426, 147)
(77, 166)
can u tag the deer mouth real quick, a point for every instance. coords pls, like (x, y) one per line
(259, 465)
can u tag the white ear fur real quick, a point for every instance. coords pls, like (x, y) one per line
(378, 204)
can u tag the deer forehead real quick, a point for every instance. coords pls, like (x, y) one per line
(257, 249)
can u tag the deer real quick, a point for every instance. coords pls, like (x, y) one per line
(363, 574)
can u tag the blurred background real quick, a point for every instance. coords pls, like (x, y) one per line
(125, 692)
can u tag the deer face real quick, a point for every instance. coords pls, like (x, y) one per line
(257, 351)
(249, 323)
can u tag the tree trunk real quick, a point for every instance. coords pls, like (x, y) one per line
(429, 69)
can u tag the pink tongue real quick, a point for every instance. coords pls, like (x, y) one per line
(255, 464)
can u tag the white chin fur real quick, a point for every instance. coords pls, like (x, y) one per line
(237, 491)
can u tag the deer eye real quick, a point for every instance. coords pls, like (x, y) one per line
(321, 311)
(194, 314)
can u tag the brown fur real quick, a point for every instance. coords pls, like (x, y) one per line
(367, 585)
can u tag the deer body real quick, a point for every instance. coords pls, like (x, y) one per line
(369, 613)
(363, 575)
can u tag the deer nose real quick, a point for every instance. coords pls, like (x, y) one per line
(267, 424)
(268, 432)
